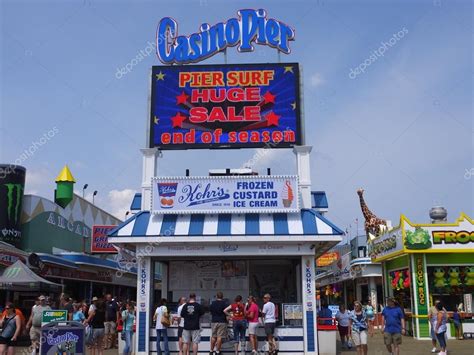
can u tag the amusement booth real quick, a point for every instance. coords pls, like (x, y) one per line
(425, 262)
(236, 231)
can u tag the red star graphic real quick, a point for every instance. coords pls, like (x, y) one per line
(272, 119)
(178, 120)
(181, 99)
(269, 97)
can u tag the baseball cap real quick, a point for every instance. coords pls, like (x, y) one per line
(41, 298)
(94, 299)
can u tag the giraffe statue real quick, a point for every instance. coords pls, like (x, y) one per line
(373, 224)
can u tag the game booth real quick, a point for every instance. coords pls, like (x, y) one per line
(425, 262)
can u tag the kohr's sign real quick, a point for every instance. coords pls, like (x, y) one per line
(251, 26)
(225, 106)
(232, 194)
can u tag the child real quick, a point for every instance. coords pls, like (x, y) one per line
(457, 324)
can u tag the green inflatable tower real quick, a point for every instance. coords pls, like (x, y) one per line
(64, 187)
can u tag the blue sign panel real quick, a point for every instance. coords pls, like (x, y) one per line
(225, 106)
(67, 339)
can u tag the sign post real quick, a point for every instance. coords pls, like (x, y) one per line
(53, 316)
(62, 338)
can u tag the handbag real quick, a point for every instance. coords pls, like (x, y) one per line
(165, 319)
(11, 330)
(88, 336)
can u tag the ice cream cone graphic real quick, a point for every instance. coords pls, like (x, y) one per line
(287, 194)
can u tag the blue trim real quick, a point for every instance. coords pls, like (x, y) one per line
(252, 225)
(319, 199)
(310, 330)
(223, 224)
(196, 225)
(114, 231)
(168, 226)
(142, 331)
(136, 202)
(335, 229)
(92, 260)
(259, 338)
(141, 224)
(309, 222)
(251, 220)
(53, 259)
(280, 224)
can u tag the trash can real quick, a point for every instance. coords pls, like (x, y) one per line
(327, 336)
(66, 338)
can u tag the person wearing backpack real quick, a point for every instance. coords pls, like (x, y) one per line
(162, 319)
(239, 324)
(128, 317)
(11, 327)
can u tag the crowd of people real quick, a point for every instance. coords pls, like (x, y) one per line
(100, 317)
(244, 316)
(355, 326)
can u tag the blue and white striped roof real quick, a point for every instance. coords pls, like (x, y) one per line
(305, 223)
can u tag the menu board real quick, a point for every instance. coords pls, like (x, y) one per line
(292, 314)
(208, 275)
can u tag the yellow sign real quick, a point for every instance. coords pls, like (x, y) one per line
(457, 237)
(327, 259)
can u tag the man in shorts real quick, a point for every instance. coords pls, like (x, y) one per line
(34, 323)
(191, 312)
(218, 323)
(110, 324)
(393, 326)
(269, 321)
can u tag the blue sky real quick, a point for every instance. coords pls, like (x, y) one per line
(403, 129)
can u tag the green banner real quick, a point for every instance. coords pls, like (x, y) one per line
(421, 294)
(53, 316)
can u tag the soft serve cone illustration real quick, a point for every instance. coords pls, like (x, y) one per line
(287, 194)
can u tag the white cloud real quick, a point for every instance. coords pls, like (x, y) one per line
(39, 182)
(316, 80)
(118, 202)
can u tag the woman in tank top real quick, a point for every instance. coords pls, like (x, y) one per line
(440, 327)
(11, 326)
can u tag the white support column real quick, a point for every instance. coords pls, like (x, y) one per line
(145, 278)
(164, 280)
(373, 293)
(358, 288)
(150, 156)
(310, 333)
(304, 173)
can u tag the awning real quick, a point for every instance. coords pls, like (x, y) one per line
(56, 260)
(19, 275)
(89, 260)
(307, 222)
